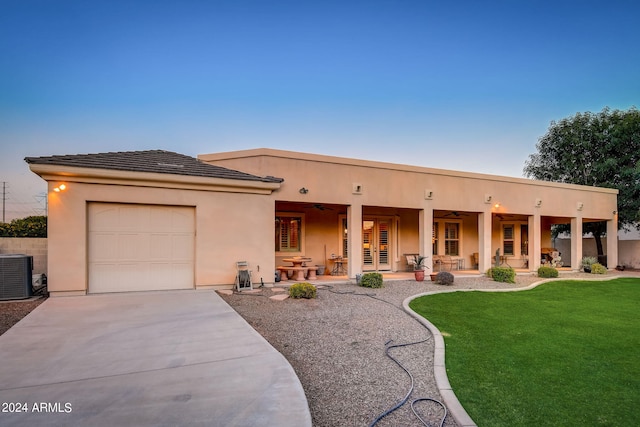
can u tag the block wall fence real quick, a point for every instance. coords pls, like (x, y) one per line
(34, 246)
(628, 250)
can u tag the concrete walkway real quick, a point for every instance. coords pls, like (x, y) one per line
(146, 359)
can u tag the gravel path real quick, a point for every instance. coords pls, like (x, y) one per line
(336, 344)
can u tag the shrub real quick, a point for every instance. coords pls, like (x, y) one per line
(598, 268)
(503, 274)
(31, 226)
(588, 261)
(371, 280)
(444, 278)
(302, 290)
(547, 272)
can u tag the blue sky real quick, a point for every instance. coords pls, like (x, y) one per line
(466, 85)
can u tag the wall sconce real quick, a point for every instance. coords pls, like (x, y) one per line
(428, 194)
(60, 188)
(303, 190)
(615, 212)
(487, 198)
(538, 203)
(356, 188)
(580, 206)
(497, 205)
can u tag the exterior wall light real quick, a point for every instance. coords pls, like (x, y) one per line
(60, 188)
(303, 190)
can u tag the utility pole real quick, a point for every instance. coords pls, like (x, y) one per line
(4, 186)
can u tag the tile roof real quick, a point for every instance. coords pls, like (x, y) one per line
(155, 161)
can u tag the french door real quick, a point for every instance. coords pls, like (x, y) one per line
(376, 244)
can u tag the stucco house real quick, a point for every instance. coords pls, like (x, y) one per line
(147, 220)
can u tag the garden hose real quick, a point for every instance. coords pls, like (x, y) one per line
(387, 348)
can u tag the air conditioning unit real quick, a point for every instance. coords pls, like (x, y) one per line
(15, 276)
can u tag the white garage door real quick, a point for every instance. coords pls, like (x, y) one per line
(140, 247)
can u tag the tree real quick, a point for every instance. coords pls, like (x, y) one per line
(601, 149)
(31, 226)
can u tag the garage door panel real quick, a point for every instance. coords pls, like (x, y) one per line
(104, 218)
(182, 247)
(103, 246)
(140, 247)
(160, 248)
(133, 246)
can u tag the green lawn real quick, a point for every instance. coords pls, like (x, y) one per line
(566, 353)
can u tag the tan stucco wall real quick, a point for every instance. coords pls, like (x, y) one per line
(331, 180)
(230, 227)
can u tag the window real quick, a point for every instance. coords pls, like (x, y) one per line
(434, 239)
(289, 230)
(508, 241)
(345, 241)
(451, 238)
(524, 239)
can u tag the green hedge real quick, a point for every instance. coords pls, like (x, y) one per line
(371, 280)
(502, 274)
(547, 272)
(31, 226)
(302, 290)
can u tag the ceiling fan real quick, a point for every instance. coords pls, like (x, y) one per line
(319, 206)
(456, 214)
(502, 216)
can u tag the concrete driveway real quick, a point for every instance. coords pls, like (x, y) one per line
(168, 358)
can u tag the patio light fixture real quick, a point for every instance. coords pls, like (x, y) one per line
(303, 190)
(60, 188)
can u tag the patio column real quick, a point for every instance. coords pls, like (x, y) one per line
(484, 241)
(425, 233)
(576, 242)
(612, 242)
(354, 242)
(535, 245)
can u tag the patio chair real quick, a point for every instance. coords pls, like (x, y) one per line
(243, 276)
(445, 260)
(411, 261)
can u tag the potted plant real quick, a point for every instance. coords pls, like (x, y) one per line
(587, 262)
(418, 267)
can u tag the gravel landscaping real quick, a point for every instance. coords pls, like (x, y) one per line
(336, 344)
(12, 311)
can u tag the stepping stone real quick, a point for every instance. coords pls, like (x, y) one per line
(277, 290)
(225, 292)
(252, 291)
(279, 297)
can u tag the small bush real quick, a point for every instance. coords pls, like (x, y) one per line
(490, 272)
(444, 278)
(371, 280)
(302, 290)
(503, 274)
(547, 272)
(598, 268)
(588, 261)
